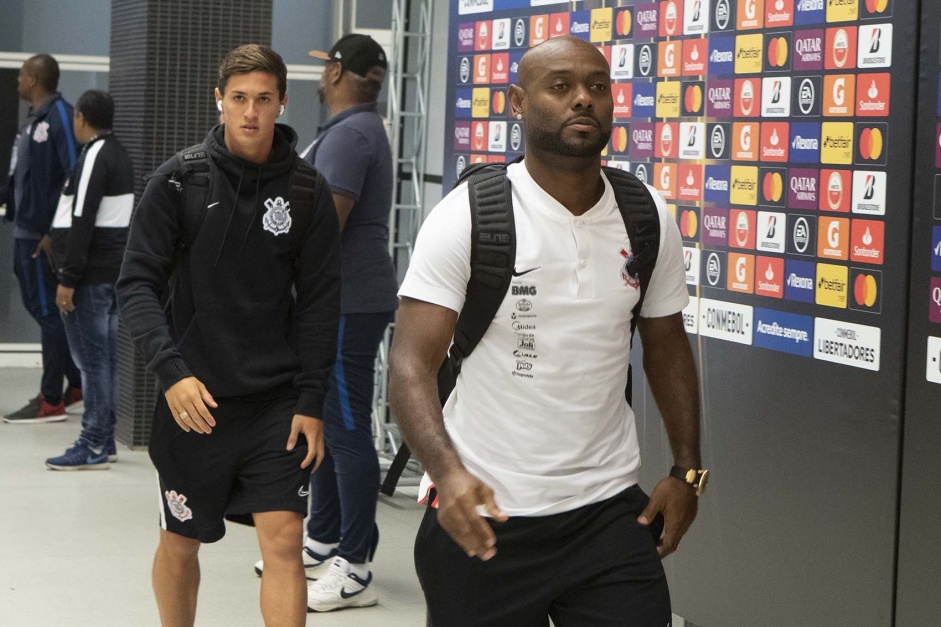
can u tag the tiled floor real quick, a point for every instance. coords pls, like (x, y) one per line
(76, 547)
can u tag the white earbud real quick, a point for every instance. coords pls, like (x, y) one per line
(281, 112)
(219, 105)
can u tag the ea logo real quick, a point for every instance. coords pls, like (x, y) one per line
(807, 96)
(740, 274)
(723, 14)
(465, 69)
(519, 33)
(516, 137)
(645, 62)
(801, 235)
(461, 164)
(833, 235)
(717, 142)
(641, 173)
(713, 269)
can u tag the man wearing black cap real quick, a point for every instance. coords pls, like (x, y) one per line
(352, 151)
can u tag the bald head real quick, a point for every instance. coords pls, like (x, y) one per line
(545, 57)
(46, 70)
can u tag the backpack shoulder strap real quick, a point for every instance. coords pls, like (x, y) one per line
(303, 195)
(493, 253)
(192, 179)
(642, 222)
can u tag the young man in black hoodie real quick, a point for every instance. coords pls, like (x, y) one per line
(247, 344)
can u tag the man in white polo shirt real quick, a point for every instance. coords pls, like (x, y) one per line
(534, 457)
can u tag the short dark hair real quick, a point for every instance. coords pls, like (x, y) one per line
(46, 70)
(97, 107)
(253, 58)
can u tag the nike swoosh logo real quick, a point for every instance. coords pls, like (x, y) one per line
(212, 205)
(302, 492)
(515, 273)
(349, 595)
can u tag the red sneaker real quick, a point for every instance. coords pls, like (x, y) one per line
(71, 396)
(37, 411)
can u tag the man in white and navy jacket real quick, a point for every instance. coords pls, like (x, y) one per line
(89, 234)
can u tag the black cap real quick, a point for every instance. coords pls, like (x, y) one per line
(360, 54)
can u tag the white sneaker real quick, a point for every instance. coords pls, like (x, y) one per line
(340, 588)
(315, 566)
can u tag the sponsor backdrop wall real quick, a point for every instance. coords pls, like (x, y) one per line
(775, 129)
(919, 601)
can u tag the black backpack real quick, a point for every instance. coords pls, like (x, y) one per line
(493, 255)
(193, 179)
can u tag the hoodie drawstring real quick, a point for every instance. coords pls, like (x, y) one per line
(228, 224)
(254, 211)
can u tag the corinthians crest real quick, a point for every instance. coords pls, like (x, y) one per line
(277, 219)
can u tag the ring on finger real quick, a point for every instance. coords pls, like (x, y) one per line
(184, 415)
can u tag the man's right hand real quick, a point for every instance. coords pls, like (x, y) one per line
(458, 497)
(188, 399)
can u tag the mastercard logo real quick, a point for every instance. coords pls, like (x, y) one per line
(777, 52)
(624, 23)
(871, 144)
(688, 224)
(865, 290)
(619, 139)
(772, 186)
(692, 99)
(877, 6)
(499, 102)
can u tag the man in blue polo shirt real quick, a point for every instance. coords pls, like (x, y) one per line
(352, 151)
(43, 156)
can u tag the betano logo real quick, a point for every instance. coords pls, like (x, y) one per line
(831, 285)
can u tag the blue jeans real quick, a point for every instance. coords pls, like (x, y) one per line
(92, 329)
(38, 288)
(345, 488)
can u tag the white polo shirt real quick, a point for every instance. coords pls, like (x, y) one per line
(538, 412)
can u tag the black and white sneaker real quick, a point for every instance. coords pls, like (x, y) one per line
(339, 589)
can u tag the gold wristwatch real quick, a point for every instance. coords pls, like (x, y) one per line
(695, 478)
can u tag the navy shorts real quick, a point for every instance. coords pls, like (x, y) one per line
(241, 468)
(594, 566)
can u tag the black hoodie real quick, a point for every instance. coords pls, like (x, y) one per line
(233, 319)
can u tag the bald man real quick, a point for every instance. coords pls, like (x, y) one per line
(534, 508)
(43, 157)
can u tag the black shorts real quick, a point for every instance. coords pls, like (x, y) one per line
(594, 566)
(241, 468)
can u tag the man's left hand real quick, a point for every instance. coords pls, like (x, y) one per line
(64, 299)
(312, 428)
(44, 246)
(679, 504)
